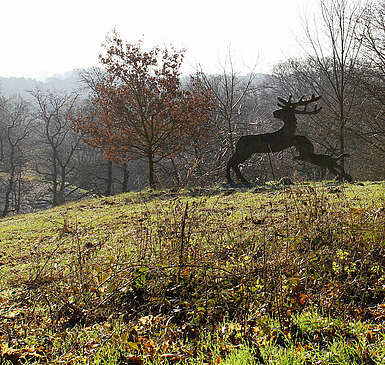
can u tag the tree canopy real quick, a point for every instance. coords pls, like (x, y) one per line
(141, 108)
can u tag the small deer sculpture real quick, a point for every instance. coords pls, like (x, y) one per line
(306, 153)
(270, 142)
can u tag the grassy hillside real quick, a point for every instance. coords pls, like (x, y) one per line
(294, 275)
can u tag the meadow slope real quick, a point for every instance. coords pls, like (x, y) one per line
(289, 275)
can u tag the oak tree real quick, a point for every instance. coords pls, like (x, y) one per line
(141, 109)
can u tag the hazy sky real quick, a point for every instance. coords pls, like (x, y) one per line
(43, 37)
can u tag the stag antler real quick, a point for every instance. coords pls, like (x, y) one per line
(282, 102)
(301, 102)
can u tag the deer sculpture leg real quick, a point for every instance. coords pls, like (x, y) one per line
(233, 164)
(339, 173)
(306, 153)
(338, 170)
(345, 176)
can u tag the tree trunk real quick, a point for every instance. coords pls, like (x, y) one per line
(109, 178)
(230, 132)
(60, 195)
(10, 184)
(125, 178)
(151, 179)
(176, 172)
(342, 139)
(54, 179)
(18, 199)
(8, 194)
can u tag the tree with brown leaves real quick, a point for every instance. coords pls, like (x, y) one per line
(141, 109)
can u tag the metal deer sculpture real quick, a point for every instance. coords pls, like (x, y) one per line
(270, 142)
(306, 153)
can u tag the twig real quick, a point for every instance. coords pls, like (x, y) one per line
(182, 240)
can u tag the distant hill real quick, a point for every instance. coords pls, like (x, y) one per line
(70, 81)
(10, 86)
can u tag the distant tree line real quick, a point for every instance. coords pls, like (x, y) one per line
(135, 122)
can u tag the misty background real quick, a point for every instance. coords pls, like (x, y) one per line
(246, 56)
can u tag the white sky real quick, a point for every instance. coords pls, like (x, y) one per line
(42, 37)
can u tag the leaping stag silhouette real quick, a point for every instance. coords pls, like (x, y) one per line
(270, 142)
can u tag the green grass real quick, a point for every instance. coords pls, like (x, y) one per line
(283, 276)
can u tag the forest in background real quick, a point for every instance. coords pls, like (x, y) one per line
(45, 162)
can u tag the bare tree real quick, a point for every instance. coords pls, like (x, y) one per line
(56, 159)
(370, 78)
(229, 90)
(373, 35)
(334, 49)
(14, 130)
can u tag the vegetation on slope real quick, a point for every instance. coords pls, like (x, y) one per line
(280, 276)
